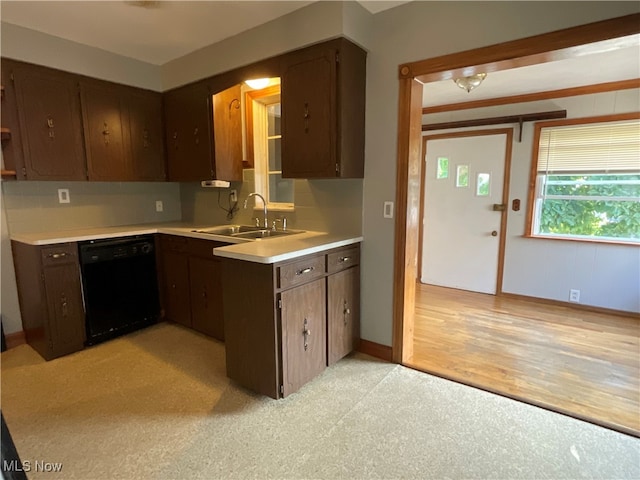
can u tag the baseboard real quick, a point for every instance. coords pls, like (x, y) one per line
(377, 350)
(14, 339)
(578, 306)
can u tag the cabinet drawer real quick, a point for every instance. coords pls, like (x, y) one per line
(342, 259)
(301, 271)
(59, 254)
(174, 243)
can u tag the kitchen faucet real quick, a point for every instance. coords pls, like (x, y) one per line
(264, 203)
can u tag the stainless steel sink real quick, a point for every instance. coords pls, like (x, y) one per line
(248, 232)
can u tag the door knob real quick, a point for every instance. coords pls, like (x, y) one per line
(494, 233)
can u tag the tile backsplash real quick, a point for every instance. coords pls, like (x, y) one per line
(33, 206)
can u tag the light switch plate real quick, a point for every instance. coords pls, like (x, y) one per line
(63, 195)
(159, 206)
(387, 211)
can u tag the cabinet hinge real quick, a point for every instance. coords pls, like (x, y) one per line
(24, 171)
(11, 77)
(337, 167)
(337, 57)
(280, 303)
(281, 389)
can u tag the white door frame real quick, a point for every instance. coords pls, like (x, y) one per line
(505, 193)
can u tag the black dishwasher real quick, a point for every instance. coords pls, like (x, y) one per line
(120, 286)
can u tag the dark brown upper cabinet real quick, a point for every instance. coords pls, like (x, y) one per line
(203, 133)
(48, 110)
(323, 111)
(122, 132)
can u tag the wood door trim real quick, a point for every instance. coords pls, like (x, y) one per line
(505, 192)
(410, 93)
(546, 47)
(533, 97)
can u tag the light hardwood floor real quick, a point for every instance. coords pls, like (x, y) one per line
(581, 363)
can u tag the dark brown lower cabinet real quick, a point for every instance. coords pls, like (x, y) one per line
(191, 284)
(50, 295)
(282, 320)
(303, 317)
(343, 313)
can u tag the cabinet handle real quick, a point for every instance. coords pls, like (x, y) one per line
(344, 259)
(145, 137)
(175, 139)
(345, 312)
(195, 134)
(106, 133)
(306, 333)
(50, 124)
(64, 306)
(55, 256)
(304, 270)
(306, 117)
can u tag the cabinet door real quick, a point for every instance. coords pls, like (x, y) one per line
(303, 334)
(206, 297)
(188, 133)
(103, 115)
(176, 287)
(12, 146)
(343, 313)
(309, 117)
(50, 124)
(66, 314)
(146, 135)
(227, 128)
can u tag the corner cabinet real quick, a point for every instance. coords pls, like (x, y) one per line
(323, 111)
(191, 284)
(192, 114)
(50, 296)
(123, 132)
(281, 325)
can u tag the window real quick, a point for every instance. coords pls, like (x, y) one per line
(587, 179)
(267, 139)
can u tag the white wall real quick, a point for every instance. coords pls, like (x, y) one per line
(607, 275)
(417, 31)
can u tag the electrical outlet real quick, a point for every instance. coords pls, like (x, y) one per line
(63, 195)
(159, 206)
(233, 196)
(574, 296)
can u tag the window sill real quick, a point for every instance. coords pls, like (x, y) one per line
(605, 241)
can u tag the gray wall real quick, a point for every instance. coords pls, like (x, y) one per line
(607, 275)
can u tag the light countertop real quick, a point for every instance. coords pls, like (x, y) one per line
(269, 250)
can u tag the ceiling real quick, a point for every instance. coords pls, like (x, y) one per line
(152, 31)
(160, 31)
(619, 62)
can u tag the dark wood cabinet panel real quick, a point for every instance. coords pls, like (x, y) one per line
(177, 299)
(50, 296)
(123, 132)
(308, 112)
(206, 296)
(105, 124)
(343, 313)
(323, 112)
(303, 317)
(66, 314)
(146, 135)
(50, 123)
(188, 133)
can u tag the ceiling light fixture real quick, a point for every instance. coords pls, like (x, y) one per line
(257, 83)
(470, 82)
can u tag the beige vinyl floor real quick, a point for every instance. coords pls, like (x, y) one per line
(157, 404)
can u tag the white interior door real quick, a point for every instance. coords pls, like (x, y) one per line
(461, 232)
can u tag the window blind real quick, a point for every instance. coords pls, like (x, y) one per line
(596, 147)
